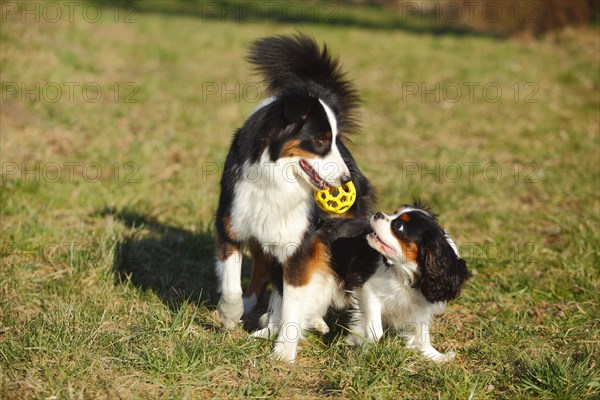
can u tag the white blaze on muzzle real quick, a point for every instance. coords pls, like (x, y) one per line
(332, 167)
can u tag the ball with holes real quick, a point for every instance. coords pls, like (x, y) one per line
(336, 199)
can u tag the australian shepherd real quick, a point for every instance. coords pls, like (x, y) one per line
(291, 145)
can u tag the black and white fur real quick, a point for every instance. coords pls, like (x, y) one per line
(289, 146)
(395, 271)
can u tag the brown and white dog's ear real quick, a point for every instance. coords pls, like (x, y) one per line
(442, 271)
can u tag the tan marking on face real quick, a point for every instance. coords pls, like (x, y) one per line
(292, 149)
(405, 217)
(410, 251)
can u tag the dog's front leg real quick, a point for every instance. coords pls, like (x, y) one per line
(369, 320)
(229, 271)
(372, 314)
(421, 342)
(290, 332)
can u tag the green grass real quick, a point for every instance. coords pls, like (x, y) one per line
(106, 283)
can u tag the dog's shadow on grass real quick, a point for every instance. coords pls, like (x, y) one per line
(177, 264)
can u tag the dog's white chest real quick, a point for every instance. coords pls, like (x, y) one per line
(272, 209)
(398, 300)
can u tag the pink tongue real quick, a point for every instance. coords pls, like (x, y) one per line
(312, 173)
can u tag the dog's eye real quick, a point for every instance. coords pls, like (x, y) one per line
(321, 141)
(398, 226)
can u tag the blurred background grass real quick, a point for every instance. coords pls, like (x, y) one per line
(108, 196)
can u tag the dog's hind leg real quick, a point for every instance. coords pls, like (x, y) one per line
(271, 319)
(261, 273)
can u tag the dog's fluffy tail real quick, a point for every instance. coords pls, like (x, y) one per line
(296, 63)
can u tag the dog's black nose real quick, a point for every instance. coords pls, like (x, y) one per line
(379, 215)
(345, 179)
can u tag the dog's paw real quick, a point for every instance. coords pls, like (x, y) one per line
(354, 339)
(440, 358)
(264, 333)
(285, 351)
(230, 312)
(264, 320)
(444, 358)
(318, 325)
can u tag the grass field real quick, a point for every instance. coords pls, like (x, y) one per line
(112, 137)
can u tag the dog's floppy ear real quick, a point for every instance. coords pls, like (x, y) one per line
(285, 119)
(297, 108)
(442, 271)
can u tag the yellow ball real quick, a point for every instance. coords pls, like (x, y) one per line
(336, 199)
